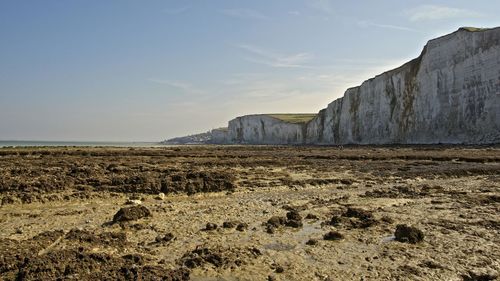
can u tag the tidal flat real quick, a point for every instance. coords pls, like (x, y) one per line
(250, 213)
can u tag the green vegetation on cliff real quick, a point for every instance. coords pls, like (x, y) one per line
(473, 29)
(294, 117)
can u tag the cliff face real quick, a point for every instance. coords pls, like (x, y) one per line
(449, 94)
(264, 129)
(219, 136)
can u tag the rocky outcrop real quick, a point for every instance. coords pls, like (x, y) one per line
(191, 139)
(449, 94)
(265, 129)
(215, 136)
(219, 136)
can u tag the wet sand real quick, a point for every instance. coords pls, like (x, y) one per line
(249, 213)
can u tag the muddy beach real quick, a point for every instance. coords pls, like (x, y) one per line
(250, 213)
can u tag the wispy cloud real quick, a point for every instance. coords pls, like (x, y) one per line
(176, 11)
(435, 12)
(274, 59)
(324, 83)
(368, 62)
(324, 6)
(266, 92)
(387, 26)
(244, 14)
(328, 79)
(266, 88)
(183, 86)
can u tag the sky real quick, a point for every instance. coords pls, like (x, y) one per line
(129, 70)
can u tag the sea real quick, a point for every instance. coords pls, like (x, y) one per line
(8, 143)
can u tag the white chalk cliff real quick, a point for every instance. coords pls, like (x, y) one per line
(449, 94)
(265, 129)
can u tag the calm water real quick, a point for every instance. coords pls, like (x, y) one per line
(77, 143)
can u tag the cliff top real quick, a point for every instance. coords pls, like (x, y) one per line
(473, 29)
(293, 117)
(462, 29)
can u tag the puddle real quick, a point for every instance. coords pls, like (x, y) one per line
(279, 246)
(307, 230)
(388, 239)
(299, 237)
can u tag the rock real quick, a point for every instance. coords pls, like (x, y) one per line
(294, 223)
(164, 238)
(479, 276)
(387, 219)
(346, 181)
(431, 264)
(312, 242)
(357, 213)
(279, 269)
(199, 256)
(276, 221)
(210, 226)
(408, 234)
(335, 220)
(229, 224)
(311, 217)
(333, 236)
(138, 226)
(293, 219)
(241, 226)
(133, 202)
(136, 196)
(362, 218)
(270, 229)
(193, 181)
(232, 224)
(160, 196)
(9, 199)
(131, 213)
(294, 215)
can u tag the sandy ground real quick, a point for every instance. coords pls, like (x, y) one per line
(58, 213)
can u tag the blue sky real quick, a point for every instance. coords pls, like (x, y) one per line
(149, 70)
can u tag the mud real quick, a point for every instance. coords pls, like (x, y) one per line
(218, 257)
(44, 258)
(76, 264)
(250, 213)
